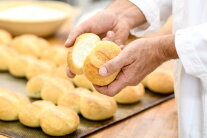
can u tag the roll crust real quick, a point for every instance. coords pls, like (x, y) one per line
(130, 94)
(96, 106)
(59, 121)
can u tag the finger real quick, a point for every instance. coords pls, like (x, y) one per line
(69, 73)
(110, 36)
(113, 65)
(122, 47)
(115, 87)
(74, 33)
(121, 35)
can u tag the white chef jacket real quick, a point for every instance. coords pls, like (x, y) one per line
(190, 70)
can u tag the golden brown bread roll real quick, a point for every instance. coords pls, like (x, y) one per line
(29, 44)
(96, 106)
(130, 94)
(160, 80)
(84, 44)
(59, 121)
(10, 104)
(5, 37)
(19, 65)
(34, 85)
(82, 81)
(103, 52)
(56, 54)
(72, 99)
(54, 88)
(39, 67)
(7, 54)
(61, 72)
(31, 113)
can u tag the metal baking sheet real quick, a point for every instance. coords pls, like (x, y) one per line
(17, 130)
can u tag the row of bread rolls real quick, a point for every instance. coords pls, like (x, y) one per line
(35, 46)
(54, 120)
(10, 104)
(39, 48)
(22, 65)
(61, 91)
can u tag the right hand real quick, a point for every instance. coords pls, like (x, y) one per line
(106, 24)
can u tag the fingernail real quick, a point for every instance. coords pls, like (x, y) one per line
(103, 71)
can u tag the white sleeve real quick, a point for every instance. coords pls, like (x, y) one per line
(191, 46)
(156, 13)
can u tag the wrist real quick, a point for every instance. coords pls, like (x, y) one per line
(166, 47)
(128, 12)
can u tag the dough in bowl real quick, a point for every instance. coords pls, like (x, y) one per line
(96, 106)
(72, 99)
(59, 121)
(130, 94)
(31, 113)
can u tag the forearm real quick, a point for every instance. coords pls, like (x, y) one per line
(127, 11)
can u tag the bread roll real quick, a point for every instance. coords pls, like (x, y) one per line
(96, 106)
(130, 94)
(10, 105)
(19, 65)
(31, 113)
(56, 54)
(54, 88)
(84, 44)
(39, 67)
(72, 98)
(59, 121)
(61, 72)
(160, 81)
(5, 37)
(82, 81)
(104, 51)
(34, 85)
(7, 54)
(29, 44)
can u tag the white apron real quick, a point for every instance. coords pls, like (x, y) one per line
(190, 71)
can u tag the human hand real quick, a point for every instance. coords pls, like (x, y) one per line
(136, 60)
(113, 24)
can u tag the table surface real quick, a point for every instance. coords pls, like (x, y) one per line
(157, 122)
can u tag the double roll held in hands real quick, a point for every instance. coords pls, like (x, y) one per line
(88, 54)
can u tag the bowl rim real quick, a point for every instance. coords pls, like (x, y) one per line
(67, 12)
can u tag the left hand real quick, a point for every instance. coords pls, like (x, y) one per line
(136, 60)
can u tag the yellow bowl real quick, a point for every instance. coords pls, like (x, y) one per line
(40, 27)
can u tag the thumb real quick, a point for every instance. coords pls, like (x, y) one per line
(112, 65)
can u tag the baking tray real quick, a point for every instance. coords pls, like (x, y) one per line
(17, 130)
